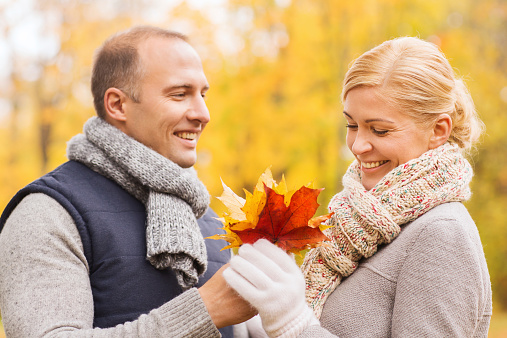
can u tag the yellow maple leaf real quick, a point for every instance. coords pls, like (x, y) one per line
(233, 202)
(229, 236)
(267, 179)
(253, 205)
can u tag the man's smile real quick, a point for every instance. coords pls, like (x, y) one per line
(186, 135)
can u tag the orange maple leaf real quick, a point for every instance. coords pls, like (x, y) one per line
(289, 227)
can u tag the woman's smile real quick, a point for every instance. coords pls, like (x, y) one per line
(372, 165)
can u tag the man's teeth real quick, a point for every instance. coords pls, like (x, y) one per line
(369, 165)
(187, 136)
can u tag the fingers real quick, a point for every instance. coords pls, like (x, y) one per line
(282, 259)
(261, 266)
(252, 272)
(241, 285)
(257, 258)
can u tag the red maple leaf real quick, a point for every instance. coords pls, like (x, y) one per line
(288, 226)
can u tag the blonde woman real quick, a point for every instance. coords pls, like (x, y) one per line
(405, 258)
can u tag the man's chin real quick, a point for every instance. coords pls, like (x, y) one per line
(185, 162)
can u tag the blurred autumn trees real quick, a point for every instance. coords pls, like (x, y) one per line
(275, 69)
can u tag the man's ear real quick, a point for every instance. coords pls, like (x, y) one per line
(113, 104)
(441, 131)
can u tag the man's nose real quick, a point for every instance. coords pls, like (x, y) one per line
(199, 110)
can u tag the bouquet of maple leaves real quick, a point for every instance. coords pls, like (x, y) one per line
(273, 212)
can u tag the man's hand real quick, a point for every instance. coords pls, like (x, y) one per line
(225, 306)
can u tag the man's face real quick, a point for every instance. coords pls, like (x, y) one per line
(171, 114)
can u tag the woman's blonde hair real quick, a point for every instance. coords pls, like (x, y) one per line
(415, 77)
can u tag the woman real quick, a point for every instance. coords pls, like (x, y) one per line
(405, 257)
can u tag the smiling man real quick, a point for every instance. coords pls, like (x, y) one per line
(170, 113)
(111, 243)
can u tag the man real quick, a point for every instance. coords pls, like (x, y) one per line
(108, 244)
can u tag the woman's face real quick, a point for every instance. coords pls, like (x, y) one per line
(380, 136)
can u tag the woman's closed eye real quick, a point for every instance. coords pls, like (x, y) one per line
(379, 131)
(376, 131)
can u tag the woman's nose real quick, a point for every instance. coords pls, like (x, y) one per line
(361, 144)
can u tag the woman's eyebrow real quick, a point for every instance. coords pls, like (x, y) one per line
(378, 120)
(369, 120)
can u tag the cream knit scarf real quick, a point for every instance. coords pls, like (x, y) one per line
(174, 197)
(363, 220)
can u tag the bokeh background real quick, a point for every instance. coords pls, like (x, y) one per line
(275, 69)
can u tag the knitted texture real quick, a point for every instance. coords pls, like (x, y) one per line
(174, 197)
(269, 279)
(363, 219)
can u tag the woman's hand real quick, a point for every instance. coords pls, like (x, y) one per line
(272, 282)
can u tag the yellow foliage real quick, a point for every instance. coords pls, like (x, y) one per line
(276, 100)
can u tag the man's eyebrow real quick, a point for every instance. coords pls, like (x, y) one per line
(179, 86)
(369, 120)
(184, 86)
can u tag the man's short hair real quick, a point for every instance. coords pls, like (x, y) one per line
(117, 63)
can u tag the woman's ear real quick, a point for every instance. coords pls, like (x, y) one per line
(441, 131)
(113, 104)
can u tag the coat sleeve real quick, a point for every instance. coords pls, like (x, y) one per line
(316, 331)
(45, 290)
(443, 288)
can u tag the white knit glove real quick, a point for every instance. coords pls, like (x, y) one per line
(270, 280)
(255, 329)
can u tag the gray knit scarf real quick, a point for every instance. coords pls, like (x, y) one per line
(174, 197)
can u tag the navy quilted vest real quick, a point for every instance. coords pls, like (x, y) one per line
(111, 223)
